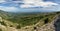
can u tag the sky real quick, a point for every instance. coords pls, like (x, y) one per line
(30, 5)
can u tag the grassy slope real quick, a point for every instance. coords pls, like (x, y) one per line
(17, 21)
(24, 20)
(20, 20)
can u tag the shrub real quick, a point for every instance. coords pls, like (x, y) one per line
(0, 29)
(18, 27)
(46, 20)
(3, 23)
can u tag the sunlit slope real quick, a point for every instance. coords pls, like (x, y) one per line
(25, 20)
(20, 21)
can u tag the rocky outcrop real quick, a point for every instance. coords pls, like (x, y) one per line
(47, 27)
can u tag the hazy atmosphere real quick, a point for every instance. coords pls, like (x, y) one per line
(29, 15)
(30, 5)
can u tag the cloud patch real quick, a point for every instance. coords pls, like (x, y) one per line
(9, 9)
(2, 1)
(36, 3)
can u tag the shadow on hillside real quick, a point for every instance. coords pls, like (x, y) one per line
(57, 25)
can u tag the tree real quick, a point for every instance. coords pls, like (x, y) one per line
(46, 20)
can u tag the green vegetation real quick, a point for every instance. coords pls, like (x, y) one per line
(3, 23)
(0, 29)
(46, 20)
(18, 27)
(27, 19)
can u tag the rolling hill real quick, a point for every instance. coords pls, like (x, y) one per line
(23, 21)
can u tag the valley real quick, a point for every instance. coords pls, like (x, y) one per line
(25, 21)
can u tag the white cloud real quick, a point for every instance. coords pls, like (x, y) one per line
(2, 1)
(8, 8)
(36, 3)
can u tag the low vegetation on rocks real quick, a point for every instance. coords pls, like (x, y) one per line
(25, 21)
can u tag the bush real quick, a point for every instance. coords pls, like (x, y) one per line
(3, 23)
(18, 27)
(11, 25)
(46, 20)
(0, 29)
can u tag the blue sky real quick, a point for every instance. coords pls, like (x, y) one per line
(29, 5)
